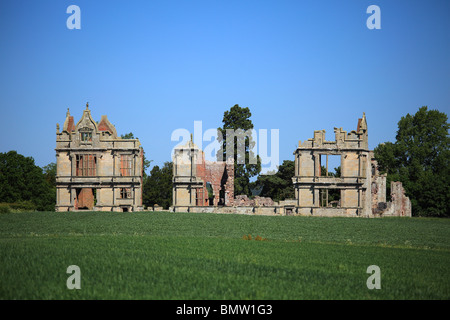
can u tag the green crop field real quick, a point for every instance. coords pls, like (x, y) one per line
(211, 256)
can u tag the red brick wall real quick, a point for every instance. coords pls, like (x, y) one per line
(102, 126)
(215, 172)
(220, 175)
(71, 125)
(85, 199)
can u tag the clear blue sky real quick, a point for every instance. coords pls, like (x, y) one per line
(156, 66)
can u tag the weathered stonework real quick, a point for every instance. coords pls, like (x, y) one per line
(360, 188)
(312, 187)
(200, 183)
(400, 204)
(96, 169)
(243, 200)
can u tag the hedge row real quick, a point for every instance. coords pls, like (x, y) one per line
(17, 207)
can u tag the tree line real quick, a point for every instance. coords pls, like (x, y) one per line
(24, 185)
(419, 158)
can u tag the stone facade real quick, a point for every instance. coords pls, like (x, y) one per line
(201, 183)
(96, 169)
(359, 190)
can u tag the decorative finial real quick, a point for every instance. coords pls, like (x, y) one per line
(87, 105)
(57, 128)
(192, 137)
(67, 113)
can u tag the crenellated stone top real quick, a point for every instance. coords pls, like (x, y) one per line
(353, 140)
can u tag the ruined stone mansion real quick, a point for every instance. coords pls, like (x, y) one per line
(358, 190)
(98, 170)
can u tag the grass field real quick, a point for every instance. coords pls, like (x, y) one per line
(204, 256)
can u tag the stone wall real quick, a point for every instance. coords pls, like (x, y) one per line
(221, 176)
(401, 204)
(243, 200)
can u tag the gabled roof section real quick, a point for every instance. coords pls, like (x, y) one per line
(86, 122)
(105, 125)
(69, 123)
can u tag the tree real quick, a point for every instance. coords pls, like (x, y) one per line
(22, 181)
(278, 186)
(419, 158)
(158, 186)
(128, 135)
(50, 174)
(336, 173)
(237, 121)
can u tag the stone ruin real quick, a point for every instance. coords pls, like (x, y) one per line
(358, 190)
(96, 169)
(200, 183)
(243, 200)
(400, 205)
(206, 186)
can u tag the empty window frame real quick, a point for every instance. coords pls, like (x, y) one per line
(86, 165)
(86, 136)
(330, 198)
(126, 165)
(330, 165)
(125, 193)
